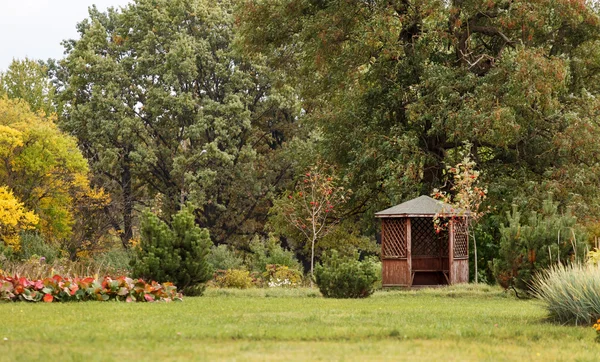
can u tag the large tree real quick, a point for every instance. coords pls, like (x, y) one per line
(398, 87)
(43, 168)
(168, 113)
(27, 79)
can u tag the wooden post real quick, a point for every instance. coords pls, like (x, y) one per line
(409, 252)
(451, 251)
(384, 266)
(382, 237)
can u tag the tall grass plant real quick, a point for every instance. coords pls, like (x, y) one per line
(571, 293)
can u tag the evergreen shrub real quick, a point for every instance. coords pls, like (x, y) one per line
(529, 245)
(339, 277)
(269, 251)
(222, 257)
(175, 253)
(34, 246)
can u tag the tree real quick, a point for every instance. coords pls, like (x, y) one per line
(14, 218)
(44, 169)
(164, 108)
(466, 195)
(173, 253)
(397, 87)
(28, 80)
(313, 207)
(531, 242)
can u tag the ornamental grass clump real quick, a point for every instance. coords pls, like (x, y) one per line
(571, 292)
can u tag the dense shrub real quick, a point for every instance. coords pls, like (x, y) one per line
(234, 278)
(571, 293)
(175, 252)
(593, 257)
(269, 251)
(547, 237)
(116, 260)
(346, 277)
(282, 276)
(33, 245)
(59, 289)
(347, 239)
(222, 257)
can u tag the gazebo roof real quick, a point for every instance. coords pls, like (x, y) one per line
(421, 206)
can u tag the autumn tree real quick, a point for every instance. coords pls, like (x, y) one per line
(14, 218)
(465, 194)
(313, 207)
(44, 169)
(165, 109)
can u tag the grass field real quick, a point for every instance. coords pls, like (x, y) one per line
(452, 324)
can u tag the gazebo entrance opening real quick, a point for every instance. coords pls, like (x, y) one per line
(413, 253)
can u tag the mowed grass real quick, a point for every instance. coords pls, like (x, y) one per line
(453, 324)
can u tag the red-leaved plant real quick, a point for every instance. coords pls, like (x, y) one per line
(59, 289)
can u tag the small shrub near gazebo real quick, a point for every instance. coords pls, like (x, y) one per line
(339, 277)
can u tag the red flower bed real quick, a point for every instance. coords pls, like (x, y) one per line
(59, 289)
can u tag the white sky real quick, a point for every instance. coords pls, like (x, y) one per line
(35, 28)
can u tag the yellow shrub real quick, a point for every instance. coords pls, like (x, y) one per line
(594, 257)
(14, 218)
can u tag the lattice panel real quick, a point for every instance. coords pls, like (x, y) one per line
(425, 242)
(461, 248)
(444, 237)
(394, 241)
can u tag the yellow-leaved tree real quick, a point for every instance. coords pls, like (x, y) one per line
(14, 218)
(46, 171)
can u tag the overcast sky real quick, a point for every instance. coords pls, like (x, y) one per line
(35, 28)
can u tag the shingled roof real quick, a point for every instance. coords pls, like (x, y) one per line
(421, 206)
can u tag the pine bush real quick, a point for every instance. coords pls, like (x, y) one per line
(173, 253)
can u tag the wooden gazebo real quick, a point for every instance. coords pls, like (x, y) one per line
(413, 253)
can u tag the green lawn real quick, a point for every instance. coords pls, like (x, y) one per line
(459, 324)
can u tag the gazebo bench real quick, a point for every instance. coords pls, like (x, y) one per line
(446, 274)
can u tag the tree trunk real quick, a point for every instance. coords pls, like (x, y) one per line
(312, 262)
(475, 253)
(127, 234)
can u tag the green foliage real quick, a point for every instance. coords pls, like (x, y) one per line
(571, 293)
(163, 107)
(28, 80)
(33, 245)
(548, 237)
(347, 240)
(59, 289)
(282, 276)
(175, 252)
(116, 258)
(234, 278)
(267, 251)
(223, 257)
(339, 277)
(428, 76)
